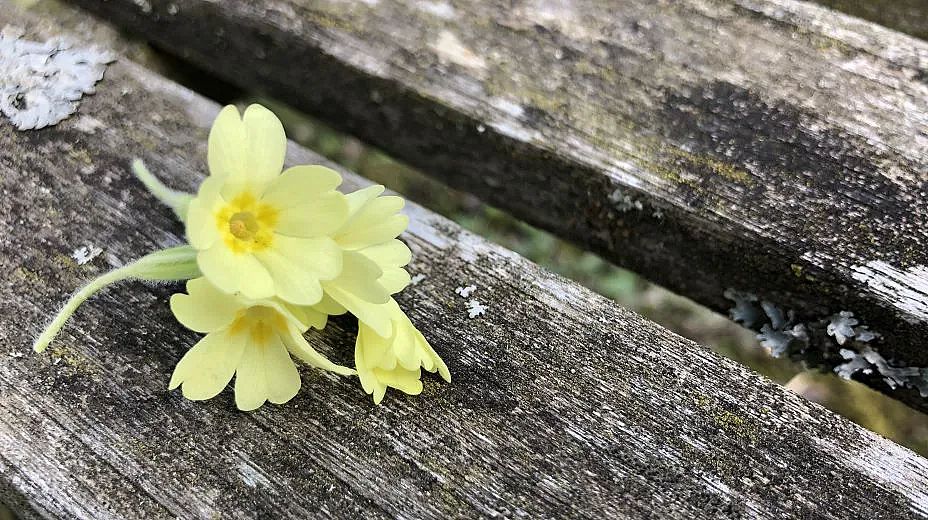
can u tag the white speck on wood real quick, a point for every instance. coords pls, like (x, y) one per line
(907, 290)
(416, 279)
(475, 308)
(85, 254)
(466, 291)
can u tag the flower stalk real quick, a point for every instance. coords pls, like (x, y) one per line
(176, 263)
(177, 200)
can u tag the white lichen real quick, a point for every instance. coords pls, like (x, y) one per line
(841, 326)
(85, 254)
(624, 202)
(868, 360)
(475, 308)
(41, 84)
(746, 311)
(781, 333)
(416, 279)
(466, 291)
(778, 332)
(779, 341)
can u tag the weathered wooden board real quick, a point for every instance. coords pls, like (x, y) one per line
(772, 147)
(562, 405)
(908, 16)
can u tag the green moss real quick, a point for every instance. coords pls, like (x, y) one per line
(735, 424)
(28, 275)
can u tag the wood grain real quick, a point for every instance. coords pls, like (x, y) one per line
(772, 147)
(563, 404)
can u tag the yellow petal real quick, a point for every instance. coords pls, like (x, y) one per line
(406, 381)
(293, 283)
(375, 223)
(265, 373)
(307, 316)
(358, 278)
(393, 253)
(201, 222)
(299, 184)
(394, 279)
(300, 348)
(390, 257)
(320, 256)
(208, 367)
(434, 361)
(201, 228)
(329, 306)
(298, 264)
(226, 145)
(403, 342)
(364, 368)
(378, 351)
(204, 308)
(267, 144)
(357, 290)
(379, 392)
(235, 272)
(320, 216)
(358, 199)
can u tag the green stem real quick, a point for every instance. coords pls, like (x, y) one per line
(175, 263)
(178, 201)
(41, 343)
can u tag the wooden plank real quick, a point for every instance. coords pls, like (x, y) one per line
(563, 404)
(771, 147)
(907, 16)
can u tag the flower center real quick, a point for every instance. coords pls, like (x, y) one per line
(260, 323)
(244, 226)
(247, 224)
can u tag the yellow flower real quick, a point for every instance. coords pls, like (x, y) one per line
(251, 339)
(395, 361)
(372, 259)
(257, 231)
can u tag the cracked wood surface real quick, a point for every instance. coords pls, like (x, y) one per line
(563, 404)
(767, 146)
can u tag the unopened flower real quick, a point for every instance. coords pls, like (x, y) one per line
(257, 231)
(395, 361)
(250, 339)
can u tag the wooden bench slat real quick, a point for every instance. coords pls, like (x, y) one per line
(771, 147)
(563, 404)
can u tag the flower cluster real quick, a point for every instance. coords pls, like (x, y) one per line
(272, 253)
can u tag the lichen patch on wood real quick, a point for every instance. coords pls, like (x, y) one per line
(41, 83)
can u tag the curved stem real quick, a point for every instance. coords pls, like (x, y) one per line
(173, 263)
(41, 343)
(177, 200)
